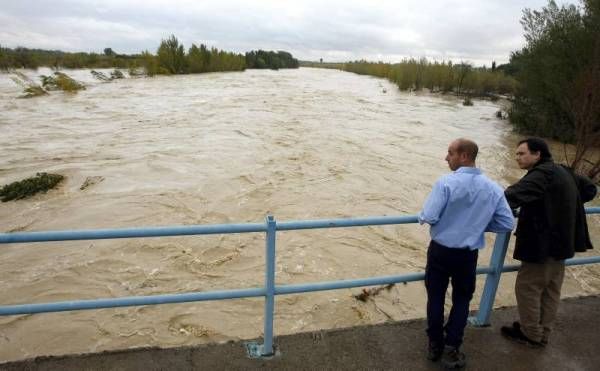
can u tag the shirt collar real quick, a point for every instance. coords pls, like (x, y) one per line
(468, 170)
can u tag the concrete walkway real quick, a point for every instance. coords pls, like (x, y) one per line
(575, 345)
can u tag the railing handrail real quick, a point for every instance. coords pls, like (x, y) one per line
(187, 230)
(270, 227)
(198, 229)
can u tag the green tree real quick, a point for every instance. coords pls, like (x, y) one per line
(171, 56)
(150, 63)
(462, 71)
(195, 60)
(5, 59)
(269, 59)
(557, 72)
(558, 48)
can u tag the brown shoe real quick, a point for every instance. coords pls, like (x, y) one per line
(514, 333)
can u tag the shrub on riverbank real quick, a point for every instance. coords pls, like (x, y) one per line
(412, 74)
(42, 182)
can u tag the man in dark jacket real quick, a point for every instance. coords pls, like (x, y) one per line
(551, 228)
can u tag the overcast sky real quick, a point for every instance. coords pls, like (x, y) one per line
(459, 30)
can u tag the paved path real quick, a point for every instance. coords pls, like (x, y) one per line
(575, 345)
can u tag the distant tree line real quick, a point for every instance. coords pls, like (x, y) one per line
(446, 77)
(33, 58)
(269, 59)
(330, 65)
(170, 58)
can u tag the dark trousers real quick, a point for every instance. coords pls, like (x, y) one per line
(446, 265)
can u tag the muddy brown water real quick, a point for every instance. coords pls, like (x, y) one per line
(228, 148)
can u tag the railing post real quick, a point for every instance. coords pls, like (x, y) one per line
(267, 349)
(491, 283)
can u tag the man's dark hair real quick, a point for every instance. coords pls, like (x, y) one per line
(537, 145)
(469, 147)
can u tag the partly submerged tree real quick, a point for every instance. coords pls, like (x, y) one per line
(149, 64)
(42, 182)
(61, 81)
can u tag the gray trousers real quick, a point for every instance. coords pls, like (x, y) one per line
(537, 290)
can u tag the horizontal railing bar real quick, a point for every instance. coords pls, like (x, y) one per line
(583, 261)
(99, 234)
(345, 222)
(360, 282)
(347, 284)
(365, 221)
(511, 268)
(204, 296)
(592, 210)
(568, 262)
(63, 306)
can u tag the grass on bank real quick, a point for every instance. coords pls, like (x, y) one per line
(42, 182)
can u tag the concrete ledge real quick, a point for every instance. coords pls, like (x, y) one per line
(574, 345)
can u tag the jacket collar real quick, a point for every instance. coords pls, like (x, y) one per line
(543, 161)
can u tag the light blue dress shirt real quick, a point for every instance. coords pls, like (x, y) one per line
(462, 206)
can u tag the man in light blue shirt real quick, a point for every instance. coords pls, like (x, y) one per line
(461, 207)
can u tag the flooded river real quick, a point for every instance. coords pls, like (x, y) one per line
(228, 148)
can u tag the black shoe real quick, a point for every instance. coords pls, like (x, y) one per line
(453, 358)
(514, 333)
(435, 351)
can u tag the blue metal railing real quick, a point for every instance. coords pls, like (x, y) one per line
(270, 228)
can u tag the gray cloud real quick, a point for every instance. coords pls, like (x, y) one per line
(476, 31)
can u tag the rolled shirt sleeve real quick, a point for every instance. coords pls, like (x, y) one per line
(503, 220)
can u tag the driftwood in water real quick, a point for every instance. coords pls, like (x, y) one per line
(367, 293)
(100, 76)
